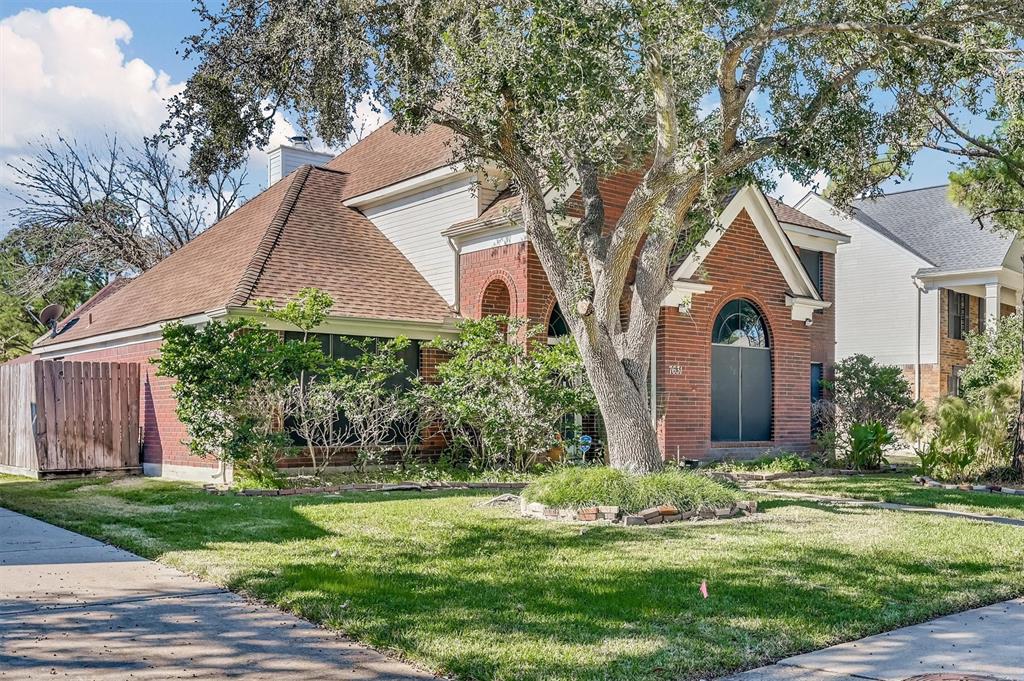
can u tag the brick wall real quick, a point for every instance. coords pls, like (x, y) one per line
(740, 266)
(162, 432)
(823, 331)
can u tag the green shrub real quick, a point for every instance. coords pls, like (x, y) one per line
(787, 462)
(501, 395)
(995, 356)
(865, 391)
(585, 486)
(867, 444)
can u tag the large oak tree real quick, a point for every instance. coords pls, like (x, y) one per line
(696, 93)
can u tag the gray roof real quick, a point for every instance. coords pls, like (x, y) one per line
(928, 224)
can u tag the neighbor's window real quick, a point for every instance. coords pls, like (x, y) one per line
(958, 314)
(981, 315)
(953, 387)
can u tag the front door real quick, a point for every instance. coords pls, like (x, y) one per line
(741, 375)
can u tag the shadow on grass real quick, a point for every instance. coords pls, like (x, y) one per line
(483, 594)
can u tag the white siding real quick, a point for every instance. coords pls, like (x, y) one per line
(414, 224)
(876, 299)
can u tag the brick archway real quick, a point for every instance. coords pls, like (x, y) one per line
(496, 299)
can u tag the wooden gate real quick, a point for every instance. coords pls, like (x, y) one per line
(69, 417)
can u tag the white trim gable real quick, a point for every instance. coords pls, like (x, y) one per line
(772, 234)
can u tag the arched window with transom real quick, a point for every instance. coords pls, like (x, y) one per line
(741, 375)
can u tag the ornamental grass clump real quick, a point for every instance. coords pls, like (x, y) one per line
(586, 486)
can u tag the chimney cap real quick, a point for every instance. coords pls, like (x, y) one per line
(301, 141)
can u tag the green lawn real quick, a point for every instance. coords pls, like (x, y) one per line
(482, 594)
(901, 489)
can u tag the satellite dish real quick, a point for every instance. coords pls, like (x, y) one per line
(49, 316)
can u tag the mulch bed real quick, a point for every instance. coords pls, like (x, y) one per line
(368, 487)
(925, 481)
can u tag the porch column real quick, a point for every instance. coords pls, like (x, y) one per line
(993, 301)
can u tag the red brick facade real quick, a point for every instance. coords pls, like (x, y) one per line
(740, 266)
(162, 432)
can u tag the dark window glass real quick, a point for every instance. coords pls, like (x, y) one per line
(739, 323)
(335, 345)
(953, 387)
(557, 326)
(813, 262)
(958, 314)
(981, 315)
(817, 374)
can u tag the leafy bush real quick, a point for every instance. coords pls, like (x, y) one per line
(230, 381)
(585, 486)
(864, 392)
(504, 399)
(961, 440)
(995, 357)
(787, 462)
(867, 445)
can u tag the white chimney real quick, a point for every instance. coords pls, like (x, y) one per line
(285, 158)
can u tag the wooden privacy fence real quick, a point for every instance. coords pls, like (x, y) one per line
(69, 417)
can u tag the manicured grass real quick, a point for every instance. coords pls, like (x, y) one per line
(586, 486)
(479, 593)
(901, 489)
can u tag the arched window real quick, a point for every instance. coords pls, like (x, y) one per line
(739, 323)
(557, 326)
(741, 375)
(496, 300)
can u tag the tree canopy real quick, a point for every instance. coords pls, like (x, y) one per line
(697, 94)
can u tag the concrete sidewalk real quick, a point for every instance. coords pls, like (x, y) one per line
(985, 642)
(76, 608)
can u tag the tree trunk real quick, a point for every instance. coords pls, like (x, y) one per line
(1017, 462)
(632, 442)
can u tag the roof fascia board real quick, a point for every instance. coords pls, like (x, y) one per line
(138, 334)
(412, 185)
(360, 326)
(1003, 276)
(792, 228)
(811, 243)
(752, 200)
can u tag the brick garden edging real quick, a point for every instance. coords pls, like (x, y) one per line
(925, 481)
(369, 487)
(650, 516)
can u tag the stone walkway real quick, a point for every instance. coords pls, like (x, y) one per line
(844, 501)
(73, 607)
(984, 643)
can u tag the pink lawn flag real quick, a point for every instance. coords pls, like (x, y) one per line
(704, 588)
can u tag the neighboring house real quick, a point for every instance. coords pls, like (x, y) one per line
(406, 242)
(918, 276)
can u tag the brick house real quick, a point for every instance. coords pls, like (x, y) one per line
(406, 242)
(918, 276)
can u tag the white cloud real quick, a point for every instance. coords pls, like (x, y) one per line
(65, 71)
(789, 191)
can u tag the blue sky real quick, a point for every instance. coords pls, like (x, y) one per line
(106, 66)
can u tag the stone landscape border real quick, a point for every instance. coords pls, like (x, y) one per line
(925, 481)
(655, 515)
(367, 487)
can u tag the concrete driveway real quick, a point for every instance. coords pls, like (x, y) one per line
(73, 607)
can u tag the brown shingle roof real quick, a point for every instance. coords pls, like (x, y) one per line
(784, 213)
(295, 234)
(385, 157)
